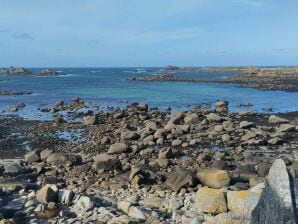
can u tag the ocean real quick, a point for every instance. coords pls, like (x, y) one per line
(108, 87)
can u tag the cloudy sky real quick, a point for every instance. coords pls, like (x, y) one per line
(78, 33)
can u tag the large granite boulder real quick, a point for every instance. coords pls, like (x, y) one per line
(210, 200)
(214, 178)
(242, 202)
(277, 204)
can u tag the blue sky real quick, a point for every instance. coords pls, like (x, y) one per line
(68, 33)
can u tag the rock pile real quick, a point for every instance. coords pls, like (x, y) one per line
(142, 165)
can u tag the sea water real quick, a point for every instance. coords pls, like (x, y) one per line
(109, 87)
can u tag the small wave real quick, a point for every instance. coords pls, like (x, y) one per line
(95, 71)
(67, 75)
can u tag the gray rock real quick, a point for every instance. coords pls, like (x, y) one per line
(277, 120)
(33, 156)
(246, 124)
(136, 212)
(213, 117)
(20, 105)
(176, 142)
(65, 196)
(11, 208)
(117, 148)
(90, 120)
(12, 166)
(62, 158)
(46, 194)
(129, 135)
(285, 128)
(165, 153)
(179, 179)
(191, 119)
(44, 154)
(105, 162)
(83, 204)
(276, 205)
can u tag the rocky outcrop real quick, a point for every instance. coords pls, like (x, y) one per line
(266, 78)
(12, 92)
(48, 72)
(277, 203)
(14, 71)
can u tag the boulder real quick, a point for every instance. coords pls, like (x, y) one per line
(226, 138)
(118, 148)
(176, 142)
(277, 120)
(214, 178)
(285, 128)
(191, 119)
(12, 167)
(179, 179)
(44, 154)
(221, 103)
(210, 200)
(249, 135)
(220, 165)
(83, 205)
(136, 212)
(276, 205)
(65, 196)
(47, 194)
(153, 202)
(90, 119)
(129, 135)
(247, 113)
(59, 158)
(124, 206)
(141, 174)
(213, 117)
(105, 162)
(246, 124)
(165, 153)
(242, 202)
(33, 156)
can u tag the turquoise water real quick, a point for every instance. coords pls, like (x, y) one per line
(109, 87)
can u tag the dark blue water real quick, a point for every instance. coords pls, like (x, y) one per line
(109, 87)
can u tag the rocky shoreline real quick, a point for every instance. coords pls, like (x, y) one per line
(12, 92)
(142, 165)
(285, 79)
(13, 71)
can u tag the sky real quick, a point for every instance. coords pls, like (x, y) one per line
(132, 33)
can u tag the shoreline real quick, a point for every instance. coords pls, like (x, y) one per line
(285, 79)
